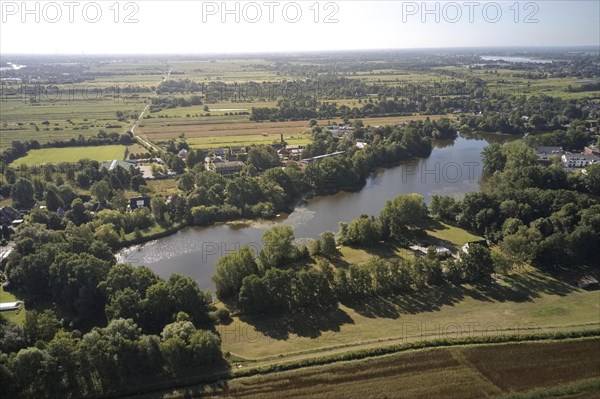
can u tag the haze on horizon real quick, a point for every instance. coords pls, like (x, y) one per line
(197, 27)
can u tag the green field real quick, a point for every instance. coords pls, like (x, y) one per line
(247, 140)
(452, 234)
(470, 371)
(525, 300)
(71, 154)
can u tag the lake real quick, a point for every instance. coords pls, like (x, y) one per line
(514, 59)
(453, 168)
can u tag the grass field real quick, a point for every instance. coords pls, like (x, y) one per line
(452, 234)
(471, 371)
(247, 140)
(71, 154)
(525, 300)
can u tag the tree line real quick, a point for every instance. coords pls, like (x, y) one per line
(537, 214)
(281, 278)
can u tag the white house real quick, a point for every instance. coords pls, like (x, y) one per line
(579, 160)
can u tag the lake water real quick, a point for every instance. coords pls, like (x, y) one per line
(453, 168)
(514, 59)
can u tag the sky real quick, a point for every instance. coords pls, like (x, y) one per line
(196, 27)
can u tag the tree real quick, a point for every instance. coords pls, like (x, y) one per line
(40, 325)
(101, 191)
(34, 371)
(278, 247)
(477, 264)
(328, 246)
(592, 179)
(231, 270)
(124, 304)
(74, 279)
(53, 201)
(444, 207)
(22, 194)
(493, 158)
(109, 234)
(159, 209)
(187, 297)
(362, 231)
(254, 295)
(402, 213)
(77, 214)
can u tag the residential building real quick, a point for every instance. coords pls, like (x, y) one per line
(579, 160)
(545, 154)
(139, 202)
(308, 161)
(227, 167)
(111, 165)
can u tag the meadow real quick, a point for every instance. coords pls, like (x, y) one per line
(525, 300)
(71, 154)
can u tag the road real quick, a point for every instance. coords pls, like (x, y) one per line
(146, 143)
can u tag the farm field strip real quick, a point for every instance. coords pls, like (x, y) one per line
(461, 371)
(156, 128)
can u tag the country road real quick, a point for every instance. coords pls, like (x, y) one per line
(144, 142)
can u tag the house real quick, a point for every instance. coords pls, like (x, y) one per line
(290, 151)
(7, 215)
(360, 145)
(283, 152)
(466, 246)
(295, 150)
(592, 149)
(545, 154)
(5, 251)
(97, 207)
(9, 306)
(308, 161)
(440, 250)
(111, 165)
(139, 202)
(227, 167)
(218, 152)
(579, 160)
(183, 153)
(237, 151)
(340, 130)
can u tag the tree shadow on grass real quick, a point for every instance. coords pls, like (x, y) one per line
(310, 323)
(522, 287)
(416, 301)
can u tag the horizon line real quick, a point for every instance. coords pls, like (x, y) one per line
(282, 52)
